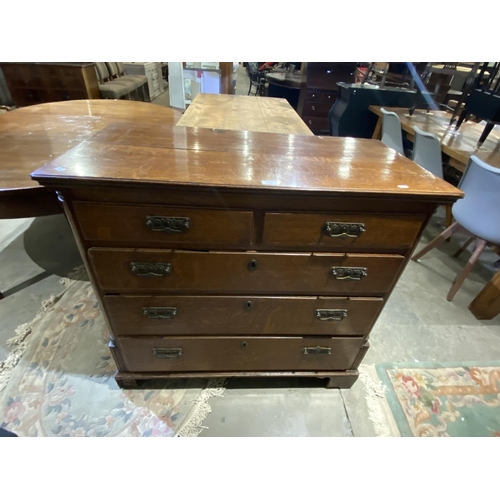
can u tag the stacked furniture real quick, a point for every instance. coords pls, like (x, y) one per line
(113, 86)
(234, 253)
(319, 90)
(140, 82)
(35, 83)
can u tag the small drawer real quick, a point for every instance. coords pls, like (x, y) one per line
(341, 231)
(192, 354)
(120, 270)
(241, 315)
(322, 95)
(316, 123)
(317, 108)
(160, 225)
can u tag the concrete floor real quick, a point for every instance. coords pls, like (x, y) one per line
(417, 324)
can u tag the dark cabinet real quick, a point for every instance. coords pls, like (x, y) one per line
(319, 91)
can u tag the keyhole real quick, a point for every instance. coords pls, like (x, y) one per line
(244, 345)
(252, 265)
(248, 304)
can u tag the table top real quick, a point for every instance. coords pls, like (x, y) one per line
(459, 145)
(32, 136)
(284, 78)
(227, 159)
(232, 112)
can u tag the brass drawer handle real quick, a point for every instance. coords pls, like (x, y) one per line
(151, 269)
(349, 273)
(331, 314)
(162, 353)
(159, 312)
(317, 350)
(313, 107)
(168, 224)
(344, 229)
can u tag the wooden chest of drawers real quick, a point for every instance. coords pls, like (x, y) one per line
(224, 253)
(35, 83)
(319, 91)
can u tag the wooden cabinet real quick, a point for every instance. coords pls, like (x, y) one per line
(221, 253)
(36, 83)
(150, 69)
(319, 91)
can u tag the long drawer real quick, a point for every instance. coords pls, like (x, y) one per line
(193, 354)
(150, 224)
(316, 107)
(316, 123)
(341, 231)
(119, 270)
(241, 315)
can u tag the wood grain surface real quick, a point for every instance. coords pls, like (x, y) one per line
(35, 135)
(249, 160)
(234, 273)
(241, 315)
(255, 114)
(239, 353)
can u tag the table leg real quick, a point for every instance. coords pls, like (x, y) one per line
(487, 303)
(487, 129)
(377, 133)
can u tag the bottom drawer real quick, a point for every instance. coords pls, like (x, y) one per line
(317, 122)
(192, 354)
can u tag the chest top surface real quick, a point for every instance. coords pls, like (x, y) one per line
(126, 154)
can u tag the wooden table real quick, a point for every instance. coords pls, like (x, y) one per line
(34, 135)
(458, 145)
(285, 79)
(232, 112)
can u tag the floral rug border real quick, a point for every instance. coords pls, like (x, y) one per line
(384, 408)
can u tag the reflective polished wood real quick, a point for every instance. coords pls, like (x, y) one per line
(34, 135)
(166, 155)
(458, 145)
(231, 112)
(217, 224)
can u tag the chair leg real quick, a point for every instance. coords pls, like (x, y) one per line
(437, 240)
(146, 92)
(463, 247)
(448, 217)
(481, 244)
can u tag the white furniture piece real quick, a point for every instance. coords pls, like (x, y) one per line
(391, 131)
(476, 215)
(427, 152)
(153, 72)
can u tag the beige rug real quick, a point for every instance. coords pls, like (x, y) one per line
(59, 380)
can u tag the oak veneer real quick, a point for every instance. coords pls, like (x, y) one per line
(240, 315)
(257, 204)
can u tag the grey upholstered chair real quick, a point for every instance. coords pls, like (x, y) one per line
(117, 74)
(111, 89)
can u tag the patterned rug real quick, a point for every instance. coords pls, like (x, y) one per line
(59, 380)
(434, 399)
